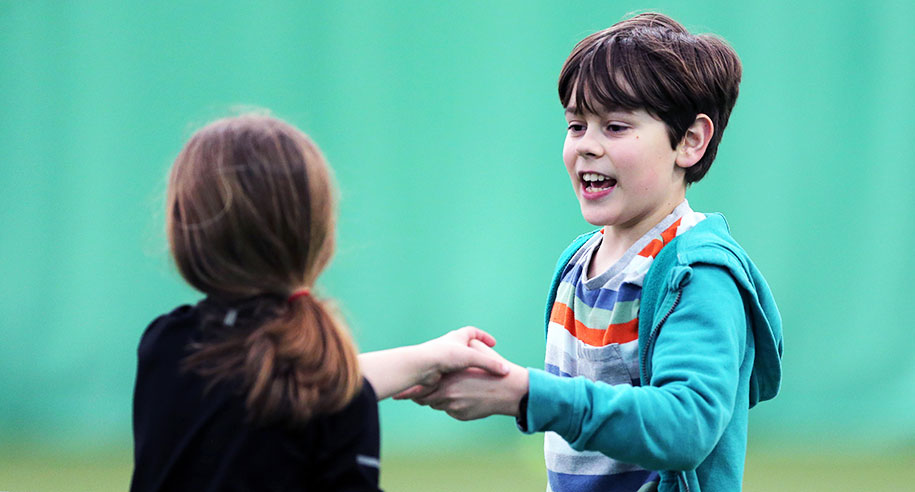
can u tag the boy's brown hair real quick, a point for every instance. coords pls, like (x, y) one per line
(652, 62)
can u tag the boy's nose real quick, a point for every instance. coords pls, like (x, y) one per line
(587, 146)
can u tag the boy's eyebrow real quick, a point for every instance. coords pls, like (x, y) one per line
(573, 110)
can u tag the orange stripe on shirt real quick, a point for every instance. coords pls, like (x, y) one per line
(654, 247)
(615, 333)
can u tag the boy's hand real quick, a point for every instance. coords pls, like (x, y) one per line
(473, 393)
(391, 371)
(452, 352)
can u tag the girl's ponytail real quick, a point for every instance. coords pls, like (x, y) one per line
(301, 363)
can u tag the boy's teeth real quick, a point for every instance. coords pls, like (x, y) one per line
(596, 182)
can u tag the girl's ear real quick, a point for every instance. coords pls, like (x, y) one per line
(695, 141)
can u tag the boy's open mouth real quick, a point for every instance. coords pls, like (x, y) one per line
(596, 182)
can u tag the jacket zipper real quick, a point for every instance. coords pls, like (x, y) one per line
(681, 478)
(657, 328)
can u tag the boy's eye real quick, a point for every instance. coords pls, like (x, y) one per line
(615, 128)
(576, 127)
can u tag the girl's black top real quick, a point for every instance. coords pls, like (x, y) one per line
(188, 437)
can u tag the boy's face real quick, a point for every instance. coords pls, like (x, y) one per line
(622, 168)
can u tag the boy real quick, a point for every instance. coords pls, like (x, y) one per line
(661, 333)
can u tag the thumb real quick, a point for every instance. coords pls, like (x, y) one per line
(489, 361)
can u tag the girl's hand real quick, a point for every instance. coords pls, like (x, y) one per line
(452, 352)
(394, 370)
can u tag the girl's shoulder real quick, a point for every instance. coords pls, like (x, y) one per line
(170, 331)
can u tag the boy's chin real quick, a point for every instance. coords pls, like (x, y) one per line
(597, 221)
(595, 217)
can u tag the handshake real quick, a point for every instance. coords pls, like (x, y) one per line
(458, 373)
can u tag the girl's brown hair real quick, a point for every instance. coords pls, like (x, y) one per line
(250, 220)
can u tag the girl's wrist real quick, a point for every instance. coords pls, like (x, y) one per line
(425, 363)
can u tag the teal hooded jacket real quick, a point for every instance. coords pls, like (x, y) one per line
(710, 347)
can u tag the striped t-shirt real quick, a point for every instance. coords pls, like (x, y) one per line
(593, 332)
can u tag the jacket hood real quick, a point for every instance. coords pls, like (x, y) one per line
(714, 234)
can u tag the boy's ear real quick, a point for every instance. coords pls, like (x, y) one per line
(695, 141)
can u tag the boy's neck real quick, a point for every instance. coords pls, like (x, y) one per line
(618, 239)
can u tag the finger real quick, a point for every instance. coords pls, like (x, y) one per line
(408, 393)
(438, 405)
(473, 333)
(493, 364)
(434, 400)
(412, 393)
(461, 415)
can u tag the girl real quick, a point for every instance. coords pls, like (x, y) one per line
(258, 386)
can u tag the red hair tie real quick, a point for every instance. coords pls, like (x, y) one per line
(297, 294)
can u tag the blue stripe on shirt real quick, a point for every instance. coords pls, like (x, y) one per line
(620, 482)
(554, 370)
(601, 298)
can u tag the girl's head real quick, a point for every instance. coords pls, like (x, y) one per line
(250, 209)
(250, 220)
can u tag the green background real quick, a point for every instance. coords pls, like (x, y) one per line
(442, 123)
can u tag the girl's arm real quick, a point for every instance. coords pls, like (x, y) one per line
(394, 370)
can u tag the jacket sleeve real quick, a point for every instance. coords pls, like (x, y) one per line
(674, 423)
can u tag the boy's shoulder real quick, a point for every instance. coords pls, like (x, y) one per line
(708, 242)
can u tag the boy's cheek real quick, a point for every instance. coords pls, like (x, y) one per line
(573, 173)
(573, 178)
(569, 156)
